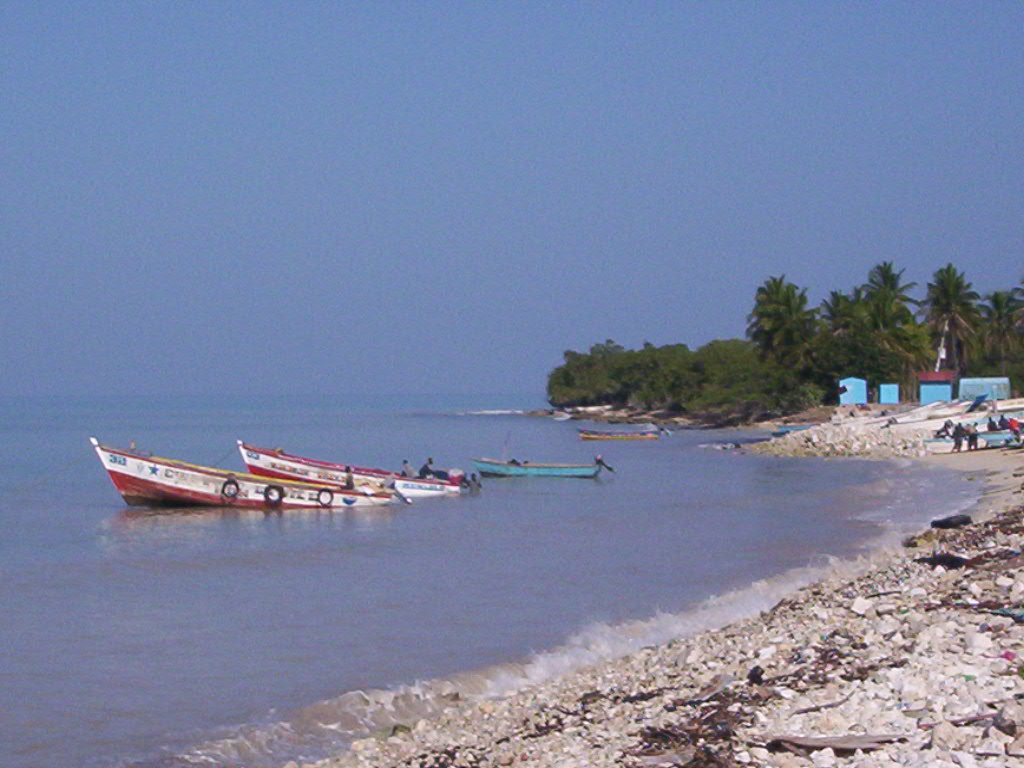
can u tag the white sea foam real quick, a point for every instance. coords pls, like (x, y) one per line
(330, 725)
(491, 412)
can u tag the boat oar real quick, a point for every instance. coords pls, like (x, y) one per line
(394, 488)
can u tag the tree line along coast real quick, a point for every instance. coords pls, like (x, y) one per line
(795, 354)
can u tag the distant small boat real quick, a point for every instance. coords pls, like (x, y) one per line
(651, 433)
(274, 462)
(151, 481)
(513, 468)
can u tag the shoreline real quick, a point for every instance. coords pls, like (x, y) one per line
(858, 651)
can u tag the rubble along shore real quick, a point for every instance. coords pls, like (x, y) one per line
(910, 656)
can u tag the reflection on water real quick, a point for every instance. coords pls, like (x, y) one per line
(171, 528)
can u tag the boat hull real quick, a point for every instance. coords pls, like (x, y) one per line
(153, 481)
(591, 434)
(495, 468)
(284, 466)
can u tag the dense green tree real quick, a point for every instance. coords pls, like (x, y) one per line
(842, 313)
(951, 310)
(796, 355)
(884, 278)
(1001, 337)
(781, 324)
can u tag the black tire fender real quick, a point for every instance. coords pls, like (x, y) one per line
(230, 489)
(273, 495)
(325, 497)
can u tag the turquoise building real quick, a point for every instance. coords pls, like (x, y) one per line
(889, 394)
(995, 388)
(853, 391)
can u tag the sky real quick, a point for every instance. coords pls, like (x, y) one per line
(443, 197)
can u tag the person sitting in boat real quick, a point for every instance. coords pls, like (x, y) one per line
(407, 470)
(427, 470)
(992, 426)
(350, 481)
(1014, 426)
(1004, 422)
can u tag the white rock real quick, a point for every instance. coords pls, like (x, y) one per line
(860, 606)
(979, 643)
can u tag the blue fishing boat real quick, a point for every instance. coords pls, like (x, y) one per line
(513, 468)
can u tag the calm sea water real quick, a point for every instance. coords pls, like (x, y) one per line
(244, 639)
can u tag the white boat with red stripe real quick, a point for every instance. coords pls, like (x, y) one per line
(146, 480)
(276, 463)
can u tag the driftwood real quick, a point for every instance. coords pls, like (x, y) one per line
(801, 745)
(718, 684)
(829, 705)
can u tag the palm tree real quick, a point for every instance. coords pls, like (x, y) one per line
(887, 298)
(781, 325)
(842, 312)
(1002, 312)
(884, 277)
(951, 310)
(1018, 293)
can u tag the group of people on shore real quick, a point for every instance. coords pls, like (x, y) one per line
(969, 432)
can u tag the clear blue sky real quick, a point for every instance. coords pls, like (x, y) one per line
(294, 197)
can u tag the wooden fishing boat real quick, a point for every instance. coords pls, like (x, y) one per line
(513, 468)
(602, 434)
(274, 462)
(144, 480)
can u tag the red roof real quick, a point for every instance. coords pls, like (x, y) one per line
(936, 376)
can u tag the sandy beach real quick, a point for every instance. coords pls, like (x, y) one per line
(912, 656)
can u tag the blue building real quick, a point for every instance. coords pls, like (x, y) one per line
(853, 391)
(936, 386)
(995, 388)
(888, 394)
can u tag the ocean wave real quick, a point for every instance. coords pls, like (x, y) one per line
(329, 726)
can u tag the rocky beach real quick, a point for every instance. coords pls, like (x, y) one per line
(912, 655)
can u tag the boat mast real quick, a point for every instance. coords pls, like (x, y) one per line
(940, 353)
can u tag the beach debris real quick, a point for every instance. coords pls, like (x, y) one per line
(944, 560)
(841, 745)
(953, 521)
(718, 684)
(828, 705)
(756, 675)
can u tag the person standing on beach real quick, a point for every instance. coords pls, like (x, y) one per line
(972, 437)
(958, 437)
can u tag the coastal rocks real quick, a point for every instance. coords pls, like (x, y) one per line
(889, 664)
(866, 438)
